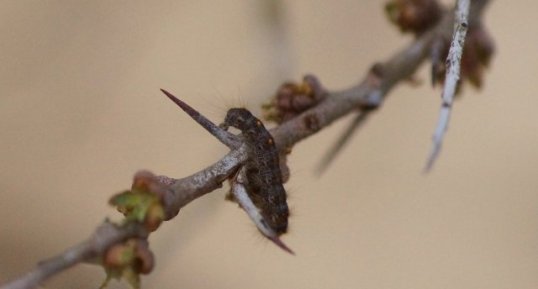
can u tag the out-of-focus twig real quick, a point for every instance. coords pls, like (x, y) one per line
(106, 235)
(452, 77)
(181, 192)
(358, 121)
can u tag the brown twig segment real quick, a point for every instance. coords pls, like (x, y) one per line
(180, 193)
(205, 181)
(364, 95)
(103, 238)
(399, 67)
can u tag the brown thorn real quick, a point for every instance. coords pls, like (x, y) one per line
(344, 138)
(223, 136)
(281, 244)
(437, 52)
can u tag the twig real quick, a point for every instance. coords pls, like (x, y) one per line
(182, 191)
(106, 235)
(451, 80)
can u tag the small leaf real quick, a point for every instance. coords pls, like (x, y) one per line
(134, 204)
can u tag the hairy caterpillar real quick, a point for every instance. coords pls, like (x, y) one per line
(264, 179)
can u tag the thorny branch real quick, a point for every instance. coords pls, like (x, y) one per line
(176, 193)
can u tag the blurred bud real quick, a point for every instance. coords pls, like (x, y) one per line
(154, 217)
(414, 16)
(291, 99)
(144, 260)
(477, 53)
(147, 181)
(119, 255)
(127, 261)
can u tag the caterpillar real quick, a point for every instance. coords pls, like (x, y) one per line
(264, 179)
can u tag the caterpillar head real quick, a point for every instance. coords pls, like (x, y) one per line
(239, 118)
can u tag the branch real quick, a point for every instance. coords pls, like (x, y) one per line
(103, 238)
(452, 77)
(179, 193)
(176, 193)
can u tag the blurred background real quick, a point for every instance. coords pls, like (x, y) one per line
(81, 112)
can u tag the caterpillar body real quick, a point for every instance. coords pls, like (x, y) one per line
(264, 178)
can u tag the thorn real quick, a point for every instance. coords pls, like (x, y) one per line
(337, 147)
(431, 160)
(187, 108)
(434, 74)
(281, 244)
(223, 136)
(437, 52)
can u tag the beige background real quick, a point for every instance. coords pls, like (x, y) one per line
(80, 112)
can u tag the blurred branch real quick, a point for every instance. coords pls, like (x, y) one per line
(177, 193)
(359, 120)
(369, 94)
(105, 236)
(173, 194)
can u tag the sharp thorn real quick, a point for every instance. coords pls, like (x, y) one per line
(281, 244)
